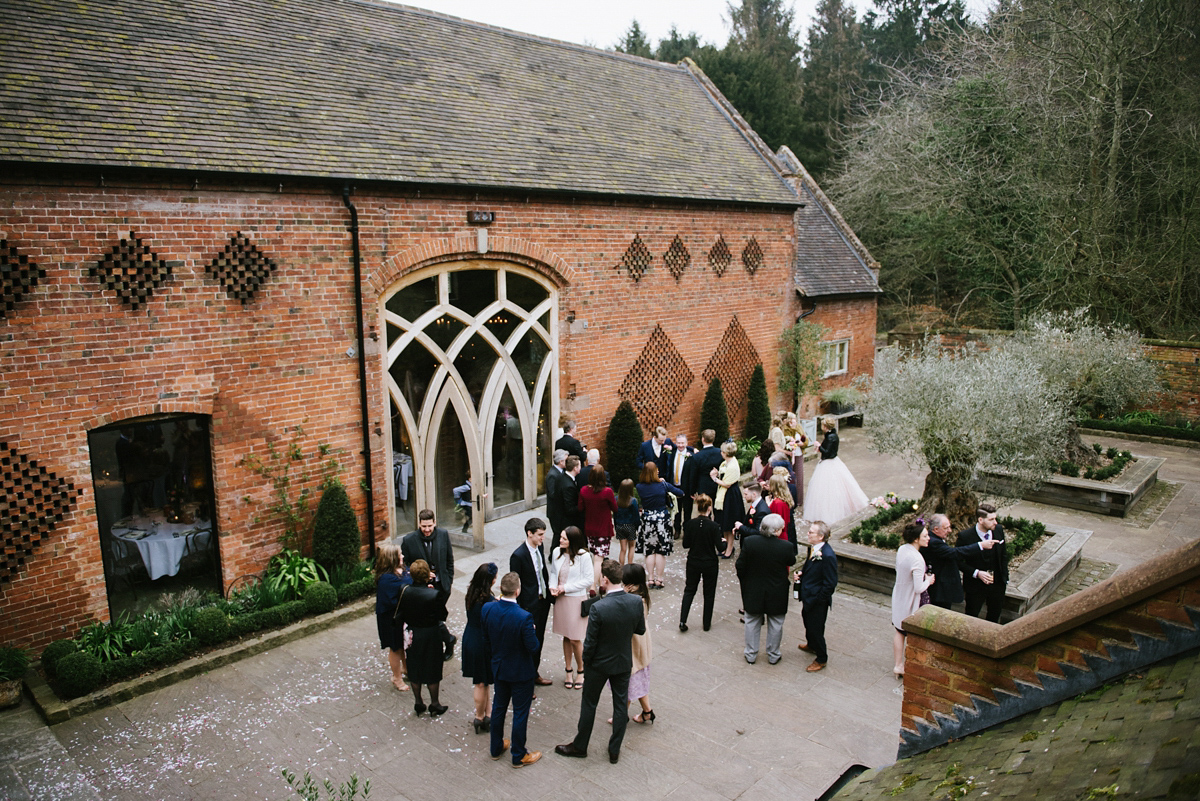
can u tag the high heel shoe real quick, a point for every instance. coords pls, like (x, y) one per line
(645, 717)
(481, 726)
(437, 709)
(569, 681)
(419, 709)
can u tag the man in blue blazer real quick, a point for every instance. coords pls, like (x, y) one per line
(818, 580)
(656, 449)
(509, 636)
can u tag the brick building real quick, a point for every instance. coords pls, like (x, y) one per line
(353, 231)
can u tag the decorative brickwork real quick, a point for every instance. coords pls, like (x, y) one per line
(677, 258)
(636, 260)
(752, 256)
(241, 268)
(719, 257)
(657, 381)
(18, 276)
(33, 503)
(733, 362)
(131, 270)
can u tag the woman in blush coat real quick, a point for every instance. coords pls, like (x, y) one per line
(911, 581)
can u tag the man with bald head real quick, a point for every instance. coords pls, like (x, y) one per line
(947, 562)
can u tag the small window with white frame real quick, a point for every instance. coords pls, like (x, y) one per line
(836, 357)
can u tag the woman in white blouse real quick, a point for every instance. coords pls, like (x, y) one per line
(571, 576)
(911, 581)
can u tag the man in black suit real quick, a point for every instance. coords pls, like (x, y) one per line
(593, 459)
(432, 543)
(675, 472)
(985, 573)
(758, 506)
(764, 570)
(529, 562)
(946, 562)
(555, 479)
(818, 579)
(699, 480)
(570, 492)
(568, 443)
(656, 449)
(608, 655)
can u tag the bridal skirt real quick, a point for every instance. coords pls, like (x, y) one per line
(832, 493)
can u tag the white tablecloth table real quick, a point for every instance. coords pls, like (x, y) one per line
(165, 544)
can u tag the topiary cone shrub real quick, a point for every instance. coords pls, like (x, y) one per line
(78, 674)
(320, 597)
(621, 444)
(714, 413)
(336, 537)
(758, 407)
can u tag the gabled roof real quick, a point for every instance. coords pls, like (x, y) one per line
(830, 258)
(364, 90)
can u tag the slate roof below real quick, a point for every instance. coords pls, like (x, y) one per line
(827, 261)
(1138, 737)
(360, 89)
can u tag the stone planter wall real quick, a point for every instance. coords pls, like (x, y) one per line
(1114, 498)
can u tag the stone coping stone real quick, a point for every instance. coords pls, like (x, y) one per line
(56, 710)
(1114, 498)
(1029, 586)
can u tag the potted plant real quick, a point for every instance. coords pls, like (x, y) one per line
(841, 399)
(13, 664)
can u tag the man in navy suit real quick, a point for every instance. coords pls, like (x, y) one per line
(818, 580)
(608, 655)
(657, 450)
(699, 468)
(509, 636)
(528, 561)
(946, 562)
(758, 506)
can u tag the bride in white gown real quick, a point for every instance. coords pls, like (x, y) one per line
(832, 492)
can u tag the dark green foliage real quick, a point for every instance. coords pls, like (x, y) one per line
(1098, 448)
(1118, 464)
(1069, 468)
(336, 537)
(634, 42)
(621, 445)
(1111, 453)
(78, 674)
(105, 641)
(13, 663)
(149, 659)
(56, 651)
(211, 626)
(714, 413)
(276, 616)
(320, 597)
(747, 450)
(1020, 534)
(758, 407)
(1145, 429)
(355, 589)
(341, 575)
(864, 533)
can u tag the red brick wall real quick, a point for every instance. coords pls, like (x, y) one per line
(847, 318)
(75, 358)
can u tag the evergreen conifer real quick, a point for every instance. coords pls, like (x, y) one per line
(714, 413)
(336, 538)
(621, 445)
(758, 407)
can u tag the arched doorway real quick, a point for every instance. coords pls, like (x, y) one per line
(470, 366)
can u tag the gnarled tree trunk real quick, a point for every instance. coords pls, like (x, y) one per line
(949, 493)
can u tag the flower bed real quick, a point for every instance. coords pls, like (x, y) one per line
(191, 622)
(1115, 462)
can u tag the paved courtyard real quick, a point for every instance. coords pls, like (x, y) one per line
(725, 729)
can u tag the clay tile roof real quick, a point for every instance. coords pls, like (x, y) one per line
(360, 89)
(830, 258)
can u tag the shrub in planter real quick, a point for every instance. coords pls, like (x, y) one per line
(355, 589)
(56, 651)
(13, 664)
(1069, 468)
(211, 625)
(78, 674)
(320, 597)
(291, 571)
(336, 538)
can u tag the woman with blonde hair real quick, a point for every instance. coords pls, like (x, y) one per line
(781, 503)
(727, 506)
(390, 579)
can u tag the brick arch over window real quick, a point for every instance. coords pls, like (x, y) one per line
(118, 413)
(463, 247)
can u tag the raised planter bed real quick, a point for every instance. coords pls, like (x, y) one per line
(1114, 498)
(1029, 586)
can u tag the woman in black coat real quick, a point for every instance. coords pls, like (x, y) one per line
(704, 542)
(422, 609)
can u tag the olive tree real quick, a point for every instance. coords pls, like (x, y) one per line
(1094, 369)
(967, 414)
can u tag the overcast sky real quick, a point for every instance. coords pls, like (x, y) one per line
(602, 22)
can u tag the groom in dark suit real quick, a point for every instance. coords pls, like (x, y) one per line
(945, 562)
(509, 636)
(985, 573)
(608, 655)
(818, 580)
(528, 561)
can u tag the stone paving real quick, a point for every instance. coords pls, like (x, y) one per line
(725, 730)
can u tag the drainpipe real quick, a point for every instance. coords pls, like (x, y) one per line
(362, 367)
(807, 313)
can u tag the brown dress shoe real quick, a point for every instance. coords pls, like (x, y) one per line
(815, 666)
(503, 748)
(804, 647)
(528, 759)
(539, 681)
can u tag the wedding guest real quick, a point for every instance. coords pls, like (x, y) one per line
(423, 609)
(596, 505)
(476, 660)
(726, 476)
(634, 579)
(911, 582)
(654, 534)
(704, 543)
(818, 580)
(571, 576)
(626, 521)
(390, 578)
(782, 503)
(763, 568)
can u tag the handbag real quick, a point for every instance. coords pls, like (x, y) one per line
(925, 599)
(397, 618)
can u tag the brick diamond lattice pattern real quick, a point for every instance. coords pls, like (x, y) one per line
(752, 256)
(677, 258)
(131, 270)
(637, 259)
(33, 502)
(18, 277)
(719, 257)
(241, 268)
(733, 362)
(657, 382)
